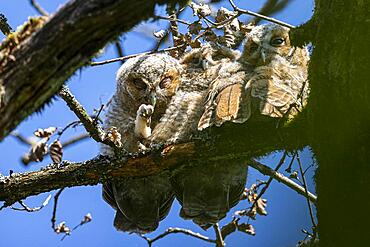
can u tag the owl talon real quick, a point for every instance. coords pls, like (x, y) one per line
(145, 111)
(143, 119)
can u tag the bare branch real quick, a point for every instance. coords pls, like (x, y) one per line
(134, 55)
(178, 230)
(171, 18)
(86, 219)
(54, 216)
(219, 239)
(264, 189)
(95, 131)
(248, 12)
(306, 191)
(26, 160)
(281, 178)
(38, 8)
(28, 209)
(22, 139)
(119, 50)
(270, 7)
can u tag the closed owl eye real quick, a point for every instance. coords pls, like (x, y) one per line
(139, 84)
(277, 41)
(165, 82)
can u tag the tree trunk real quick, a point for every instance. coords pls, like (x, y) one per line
(339, 118)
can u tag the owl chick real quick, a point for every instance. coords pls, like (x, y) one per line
(145, 86)
(201, 69)
(209, 190)
(273, 81)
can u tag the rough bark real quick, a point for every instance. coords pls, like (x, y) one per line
(66, 42)
(232, 142)
(339, 119)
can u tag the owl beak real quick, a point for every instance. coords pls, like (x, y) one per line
(263, 55)
(153, 98)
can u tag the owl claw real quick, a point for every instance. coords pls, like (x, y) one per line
(145, 111)
(142, 121)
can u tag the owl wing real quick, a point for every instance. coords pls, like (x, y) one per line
(140, 203)
(225, 101)
(277, 91)
(207, 192)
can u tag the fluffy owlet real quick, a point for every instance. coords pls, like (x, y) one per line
(272, 80)
(206, 191)
(145, 86)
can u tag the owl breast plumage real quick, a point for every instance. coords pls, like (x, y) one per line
(145, 85)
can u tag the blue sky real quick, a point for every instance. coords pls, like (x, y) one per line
(287, 210)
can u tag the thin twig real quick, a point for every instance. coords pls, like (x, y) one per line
(221, 24)
(25, 158)
(22, 139)
(119, 50)
(270, 7)
(263, 190)
(38, 8)
(135, 55)
(95, 131)
(54, 216)
(172, 19)
(96, 118)
(248, 12)
(28, 209)
(73, 124)
(87, 218)
(4, 25)
(306, 190)
(75, 139)
(265, 170)
(160, 41)
(219, 239)
(178, 230)
(289, 168)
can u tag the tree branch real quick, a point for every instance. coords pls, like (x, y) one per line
(178, 230)
(66, 42)
(265, 170)
(134, 55)
(212, 144)
(38, 8)
(266, 18)
(95, 131)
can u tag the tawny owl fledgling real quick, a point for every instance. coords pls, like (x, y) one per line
(201, 69)
(274, 83)
(209, 190)
(145, 86)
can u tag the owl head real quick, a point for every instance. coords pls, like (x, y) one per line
(148, 79)
(266, 43)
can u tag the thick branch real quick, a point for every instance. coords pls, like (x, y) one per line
(19, 186)
(218, 144)
(66, 42)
